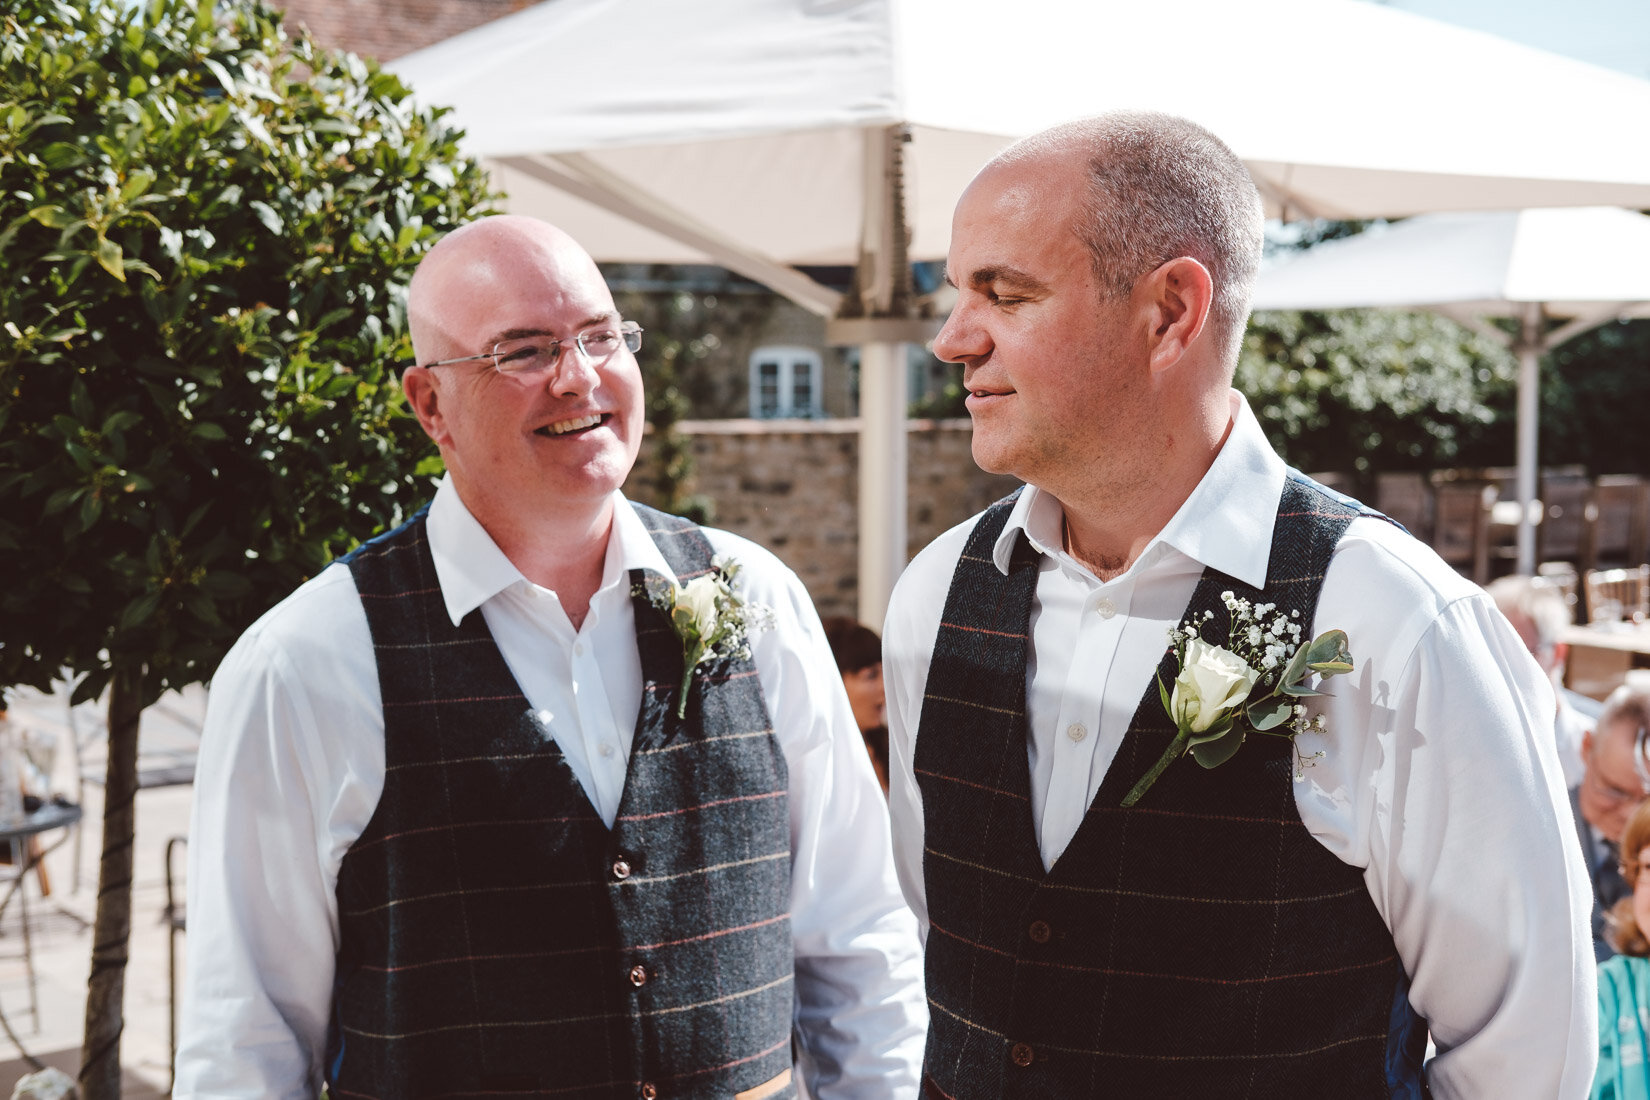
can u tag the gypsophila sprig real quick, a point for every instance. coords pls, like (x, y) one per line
(710, 618)
(1254, 683)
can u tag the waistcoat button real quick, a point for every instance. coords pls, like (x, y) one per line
(638, 975)
(1022, 1054)
(649, 1091)
(621, 868)
(1039, 931)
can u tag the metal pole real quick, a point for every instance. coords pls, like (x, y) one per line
(882, 476)
(1529, 396)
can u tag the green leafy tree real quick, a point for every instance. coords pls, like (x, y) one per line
(1595, 400)
(206, 233)
(1364, 391)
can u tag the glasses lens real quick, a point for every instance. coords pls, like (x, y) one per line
(598, 344)
(524, 356)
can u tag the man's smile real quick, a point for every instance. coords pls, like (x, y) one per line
(577, 424)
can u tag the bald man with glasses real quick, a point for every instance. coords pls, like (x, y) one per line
(463, 828)
(1615, 760)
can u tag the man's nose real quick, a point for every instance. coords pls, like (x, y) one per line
(575, 373)
(961, 339)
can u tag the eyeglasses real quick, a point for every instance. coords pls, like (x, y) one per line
(531, 354)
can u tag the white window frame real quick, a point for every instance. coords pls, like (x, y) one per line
(786, 359)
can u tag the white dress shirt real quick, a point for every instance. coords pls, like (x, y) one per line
(1438, 775)
(292, 766)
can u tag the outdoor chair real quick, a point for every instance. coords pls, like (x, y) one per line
(1563, 533)
(166, 757)
(1461, 527)
(1406, 497)
(1621, 520)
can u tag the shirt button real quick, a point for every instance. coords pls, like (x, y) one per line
(1039, 931)
(578, 649)
(1106, 606)
(1022, 1054)
(621, 868)
(649, 1091)
(638, 975)
(1076, 731)
(606, 748)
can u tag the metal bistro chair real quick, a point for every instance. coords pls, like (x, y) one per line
(1617, 594)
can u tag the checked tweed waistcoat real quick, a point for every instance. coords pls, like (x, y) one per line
(496, 937)
(1199, 944)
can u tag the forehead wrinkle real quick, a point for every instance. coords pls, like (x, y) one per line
(519, 333)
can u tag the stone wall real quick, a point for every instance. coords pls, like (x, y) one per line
(793, 486)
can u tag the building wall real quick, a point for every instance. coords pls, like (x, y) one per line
(386, 29)
(793, 487)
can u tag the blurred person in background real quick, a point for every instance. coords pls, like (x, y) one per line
(1615, 777)
(858, 653)
(1624, 980)
(1538, 611)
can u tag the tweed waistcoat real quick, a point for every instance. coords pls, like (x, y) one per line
(1199, 944)
(496, 938)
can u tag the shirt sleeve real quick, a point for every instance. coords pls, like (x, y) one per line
(1439, 776)
(273, 811)
(860, 1014)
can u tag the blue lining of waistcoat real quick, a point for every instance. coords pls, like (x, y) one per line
(335, 1034)
(1406, 1044)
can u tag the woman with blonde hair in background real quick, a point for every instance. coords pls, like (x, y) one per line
(1624, 981)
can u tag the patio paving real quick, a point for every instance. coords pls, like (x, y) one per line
(60, 925)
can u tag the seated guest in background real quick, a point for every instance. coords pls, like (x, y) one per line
(1538, 611)
(1624, 981)
(858, 653)
(1615, 777)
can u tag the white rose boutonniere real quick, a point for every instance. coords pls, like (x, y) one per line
(1252, 684)
(709, 617)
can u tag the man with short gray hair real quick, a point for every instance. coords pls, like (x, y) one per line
(1104, 916)
(1536, 608)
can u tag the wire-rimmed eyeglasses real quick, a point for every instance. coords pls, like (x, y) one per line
(530, 354)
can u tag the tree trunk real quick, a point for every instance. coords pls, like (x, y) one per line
(112, 930)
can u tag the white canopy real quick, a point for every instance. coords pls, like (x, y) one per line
(759, 134)
(1586, 265)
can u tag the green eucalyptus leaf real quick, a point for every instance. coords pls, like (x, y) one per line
(1213, 733)
(1216, 751)
(1270, 713)
(1299, 691)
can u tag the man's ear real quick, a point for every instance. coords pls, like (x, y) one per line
(1179, 296)
(424, 398)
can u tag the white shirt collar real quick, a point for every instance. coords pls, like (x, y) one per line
(471, 569)
(1225, 524)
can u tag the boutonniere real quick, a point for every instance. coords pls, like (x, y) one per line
(1254, 683)
(709, 617)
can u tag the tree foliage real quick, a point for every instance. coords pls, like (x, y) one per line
(1371, 390)
(206, 232)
